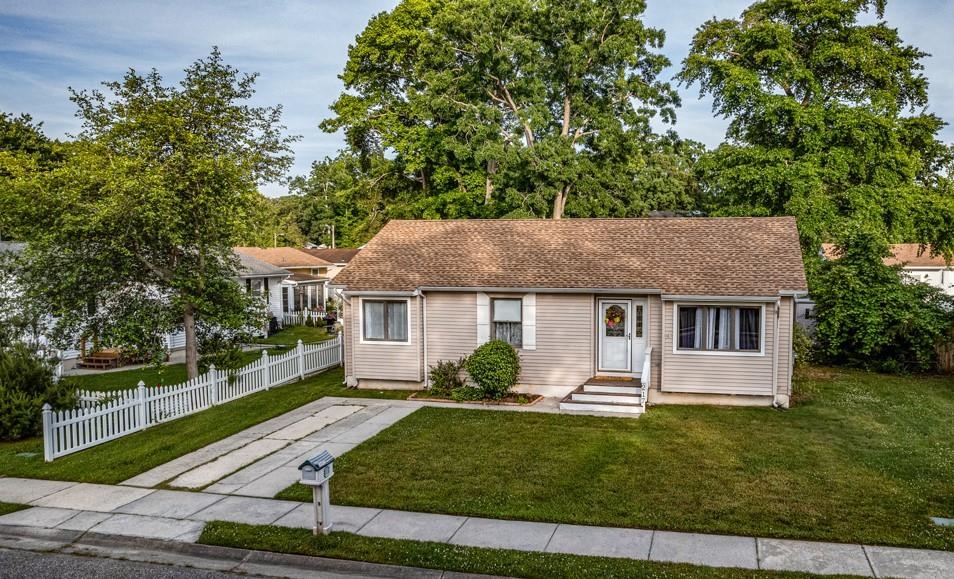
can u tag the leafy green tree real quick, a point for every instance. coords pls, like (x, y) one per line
(23, 147)
(521, 106)
(870, 315)
(131, 234)
(827, 122)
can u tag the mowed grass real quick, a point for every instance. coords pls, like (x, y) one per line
(170, 374)
(6, 508)
(120, 459)
(291, 334)
(497, 562)
(859, 458)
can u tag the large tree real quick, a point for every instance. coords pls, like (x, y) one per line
(529, 105)
(131, 234)
(828, 122)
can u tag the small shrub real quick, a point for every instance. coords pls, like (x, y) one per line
(803, 346)
(445, 376)
(309, 322)
(26, 384)
(495, 367)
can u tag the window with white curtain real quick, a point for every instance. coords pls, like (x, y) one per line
(385, 321)
(719, 328)
(507, 318)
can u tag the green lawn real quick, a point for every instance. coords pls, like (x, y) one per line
(176, 373)
(454, 558)
(120, 459)
(859, 458)
(291, 334)
(6, 508)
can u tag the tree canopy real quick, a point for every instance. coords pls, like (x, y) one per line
(130, 235)
(512, 107)
(828, 122)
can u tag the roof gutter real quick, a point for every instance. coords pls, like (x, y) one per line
(747, 299)
(541, 290)
(793, 293)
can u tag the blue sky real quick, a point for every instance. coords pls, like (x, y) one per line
(299, 47)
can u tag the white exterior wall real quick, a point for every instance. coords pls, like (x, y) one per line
(275, 296)
(748, 374)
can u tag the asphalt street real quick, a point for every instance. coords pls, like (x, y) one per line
(30, 565)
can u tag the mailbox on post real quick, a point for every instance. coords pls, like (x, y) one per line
(316, 472)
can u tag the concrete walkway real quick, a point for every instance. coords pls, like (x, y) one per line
(181, 515)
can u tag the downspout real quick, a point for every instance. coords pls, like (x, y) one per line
(423, 303)
(775, 357)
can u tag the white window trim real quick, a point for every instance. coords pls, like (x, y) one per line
(410, 329)
(736, 353)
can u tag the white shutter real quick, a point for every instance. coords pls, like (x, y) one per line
(483, 318)
(530, 322)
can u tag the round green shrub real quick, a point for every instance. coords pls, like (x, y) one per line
(495, 367)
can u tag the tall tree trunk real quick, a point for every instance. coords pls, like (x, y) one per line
(192, 343)
(559, 201)
(489, 185)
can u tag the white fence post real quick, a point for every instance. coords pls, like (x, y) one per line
(213, 385)
(143, 409)
(341, 352)
(301, 360)
(266, 372)
(48, 433)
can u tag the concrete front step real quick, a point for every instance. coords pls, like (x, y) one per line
(607, 389)
(609, 398)
(632, 409)
(611, 403)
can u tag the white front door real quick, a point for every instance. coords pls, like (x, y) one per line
(615, 336)
(621, 336)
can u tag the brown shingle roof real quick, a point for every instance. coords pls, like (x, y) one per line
(737, 256)
(283, 256)
(909, 254)
(339, 255)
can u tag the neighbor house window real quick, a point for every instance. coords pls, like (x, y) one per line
(719, 328)
(284, 291)
(507, 321)
(385, 321)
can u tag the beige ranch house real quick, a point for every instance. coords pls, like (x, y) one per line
(610, 313)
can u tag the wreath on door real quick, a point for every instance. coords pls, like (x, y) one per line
(615, 321)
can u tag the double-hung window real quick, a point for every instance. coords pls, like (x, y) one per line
(385, 321)
(719, 328)
(507, 320)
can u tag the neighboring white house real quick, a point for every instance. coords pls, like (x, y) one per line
(695, 310)
(916, 264)
(254, 275)
(305, 288)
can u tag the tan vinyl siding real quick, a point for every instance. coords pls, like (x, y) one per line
(655, 340)
(718, 373)
(383, 360)
(348, 325)
(451, 325)
(786, 321)
(565, 334)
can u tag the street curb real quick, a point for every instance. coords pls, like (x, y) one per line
(206, 557)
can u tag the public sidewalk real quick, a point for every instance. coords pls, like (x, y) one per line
(181, 515)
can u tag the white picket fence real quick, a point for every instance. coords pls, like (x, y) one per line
(300, 318)
(103, 416)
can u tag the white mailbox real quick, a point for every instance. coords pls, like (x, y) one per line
(317, 469)
(316, 472)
